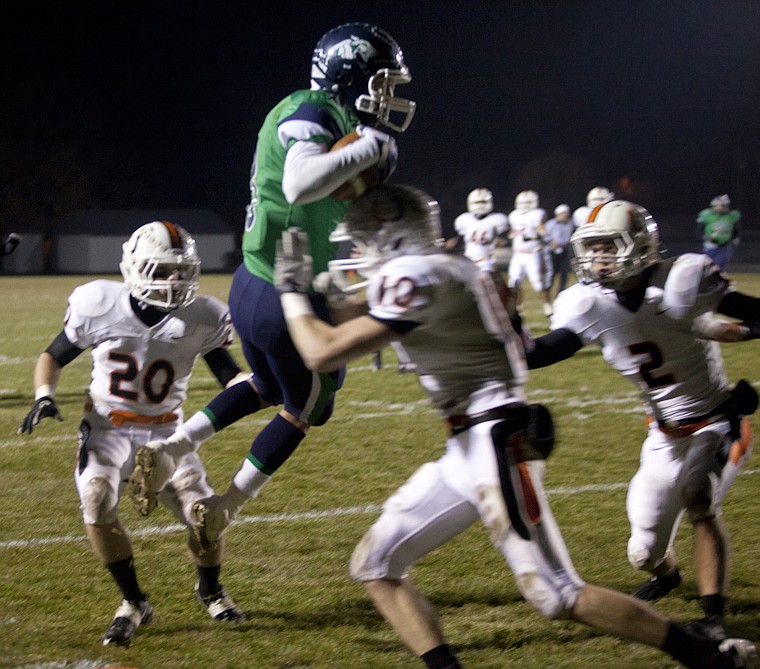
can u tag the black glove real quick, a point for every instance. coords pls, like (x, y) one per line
(43, 408)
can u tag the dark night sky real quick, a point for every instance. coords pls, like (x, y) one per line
(558, 96)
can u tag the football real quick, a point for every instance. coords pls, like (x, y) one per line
(363, 181)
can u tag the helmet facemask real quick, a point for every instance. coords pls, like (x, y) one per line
(380, 102)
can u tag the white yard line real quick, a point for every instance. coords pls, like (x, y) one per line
(305, 516)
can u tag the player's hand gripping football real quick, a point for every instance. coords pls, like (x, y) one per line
(44, 407)
(387, 149)
(293, 264)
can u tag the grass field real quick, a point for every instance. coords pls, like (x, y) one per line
(288, 552)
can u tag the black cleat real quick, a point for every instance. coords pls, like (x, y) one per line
(220, 606)
(713, 627)
(129, 616)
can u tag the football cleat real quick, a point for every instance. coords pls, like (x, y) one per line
(220, 606)
(713, 627)
(129, 616)
(658, 586)
(742, 652)
(153, 469)
(211, 519)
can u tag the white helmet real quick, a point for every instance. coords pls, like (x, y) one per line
(480, 202)
(385, 222)
(598, 195)
(632, 238)
(526, 200)
(561, 209)
(161, 266)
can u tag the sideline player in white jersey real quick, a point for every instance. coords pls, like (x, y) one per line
(526, 230)
(450, 318)
(145, 335)
(596, 196)
(482, 229)
(648, 317)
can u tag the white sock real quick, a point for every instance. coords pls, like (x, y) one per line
(197, 428)
(249, 480)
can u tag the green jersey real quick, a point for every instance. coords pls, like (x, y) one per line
(312, 116)
(719, 228)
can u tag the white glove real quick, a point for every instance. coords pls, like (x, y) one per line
(387, 148)
(293, 264)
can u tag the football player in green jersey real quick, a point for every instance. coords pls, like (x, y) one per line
(295, 181)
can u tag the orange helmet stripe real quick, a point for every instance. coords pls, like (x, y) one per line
(174, 235)
(594, 212)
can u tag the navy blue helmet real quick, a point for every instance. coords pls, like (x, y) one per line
(361, 64)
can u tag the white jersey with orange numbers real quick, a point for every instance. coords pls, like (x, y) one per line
(480, 235)
(464, 349)
(680, 376)
(137, 368)
(525, 231)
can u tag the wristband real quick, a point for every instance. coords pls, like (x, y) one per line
(295, 305)
(45, 390)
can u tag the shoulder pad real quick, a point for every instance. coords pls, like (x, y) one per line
(96, 297)
(573, 308)
(691, 282)
(204, 310)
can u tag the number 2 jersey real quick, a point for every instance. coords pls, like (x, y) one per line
(455, 330)
(137, 368)
(680, 376)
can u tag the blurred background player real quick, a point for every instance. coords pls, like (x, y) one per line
(355, 69)
(557, 233)
(646, 314)
(720, 227)
(481, 229)
(431, 303)
(145, 335)
(596, 196)
(526, 230)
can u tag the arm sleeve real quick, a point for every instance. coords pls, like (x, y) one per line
(62, 350)
(553, 347)
(312, 172)
(222, 365)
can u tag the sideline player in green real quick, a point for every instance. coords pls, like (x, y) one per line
(296, 180)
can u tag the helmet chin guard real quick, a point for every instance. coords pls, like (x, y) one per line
(160, 265)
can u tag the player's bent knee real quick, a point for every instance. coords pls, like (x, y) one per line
(545, 598)
(99, 501)
(360, 567)
(698, 495)
(639, 556)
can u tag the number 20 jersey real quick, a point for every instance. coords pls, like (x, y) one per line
(137, 368)
(680, 376)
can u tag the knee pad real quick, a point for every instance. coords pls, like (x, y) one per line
(545, 598)
(187, 486)
(364, 566)
(640, 556)
(99, 501)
